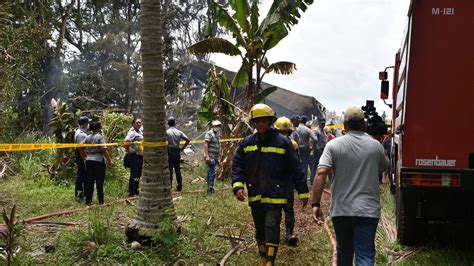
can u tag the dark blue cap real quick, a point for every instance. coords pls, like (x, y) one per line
(295, 118)
(171, 121)
(95, 125)
(304, 119)
(83, 119)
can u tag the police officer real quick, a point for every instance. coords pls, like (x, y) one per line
(95, 162)
(174, 151)
(265, 162)
(318, 147)
(284, 126)
(81, 176)
(136, 156)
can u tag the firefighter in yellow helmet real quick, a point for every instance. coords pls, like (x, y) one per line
(285, 127)
(265, 163)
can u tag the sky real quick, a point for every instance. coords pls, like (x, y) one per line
(338, 46)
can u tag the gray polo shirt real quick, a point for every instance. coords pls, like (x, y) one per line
(174, 136)
(356, 160)
(132, 136)
(95, 153)
(80, 135)
(322, 139)
(213, 144)
(305, 135)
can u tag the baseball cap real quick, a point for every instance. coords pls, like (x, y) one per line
(353, 114)
(304, 119)
(83, 119)
(295, 118)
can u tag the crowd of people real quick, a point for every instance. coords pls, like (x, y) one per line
(272, 162)
(91, 160)
(268, 166)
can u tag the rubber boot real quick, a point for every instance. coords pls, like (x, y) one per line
(292, 240)
(263, 254)
(271, 253)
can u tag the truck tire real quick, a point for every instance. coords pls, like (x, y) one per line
(410, 230)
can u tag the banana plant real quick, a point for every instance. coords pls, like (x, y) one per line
(9, 235)
(252, 39)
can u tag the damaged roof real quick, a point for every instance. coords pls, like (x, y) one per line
(284, 102)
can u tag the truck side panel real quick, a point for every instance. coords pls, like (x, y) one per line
(439, 110)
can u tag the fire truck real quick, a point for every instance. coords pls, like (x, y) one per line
(432, 153)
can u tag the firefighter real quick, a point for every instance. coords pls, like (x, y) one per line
(265, 162)
(284, 126)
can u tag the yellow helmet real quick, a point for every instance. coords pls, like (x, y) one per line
(283, 124)
(261, 110)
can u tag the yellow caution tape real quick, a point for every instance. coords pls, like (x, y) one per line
(43, 146)
(341, 126)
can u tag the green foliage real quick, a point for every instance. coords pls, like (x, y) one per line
(216, 101)
(252, 40)
(115, 126)
(98, 229)
(10, 235)
(63, 123)
(8, 132)
(23, 53)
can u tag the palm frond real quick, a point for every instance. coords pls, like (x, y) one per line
(214, 45)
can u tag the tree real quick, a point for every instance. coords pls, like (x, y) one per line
(253, 39)
(155, 203)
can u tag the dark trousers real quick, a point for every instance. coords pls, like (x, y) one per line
(95, 173)
(355, 234)
(81, 176)
(304, 156)
(313, 164)
(174, 161)
(289, 211)
(136, 164)
(267, 221)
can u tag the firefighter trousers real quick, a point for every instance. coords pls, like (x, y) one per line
(267, 221)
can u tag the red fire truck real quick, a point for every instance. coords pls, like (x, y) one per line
(432, 156)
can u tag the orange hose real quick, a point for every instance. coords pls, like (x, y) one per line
(330, 235)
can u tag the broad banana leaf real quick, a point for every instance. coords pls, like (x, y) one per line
(264, 93)
(241, 76)
(242, 11)
(214, 45)
(227, 21)
(283, 68)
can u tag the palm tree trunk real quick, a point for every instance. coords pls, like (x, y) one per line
(155, 202)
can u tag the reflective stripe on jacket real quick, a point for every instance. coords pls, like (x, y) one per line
(266, 166)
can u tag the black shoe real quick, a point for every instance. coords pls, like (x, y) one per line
(292, 240)
(179, 188)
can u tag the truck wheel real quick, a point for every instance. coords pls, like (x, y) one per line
(410, 230)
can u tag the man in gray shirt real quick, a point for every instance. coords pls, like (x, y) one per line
(212, 147)
(318, 148)
(356, 160)
(305, 134)
(174, 151)
(135, 153)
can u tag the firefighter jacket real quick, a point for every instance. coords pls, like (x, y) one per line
(266, 166)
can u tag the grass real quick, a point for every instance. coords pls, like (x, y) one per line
(201, 218)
